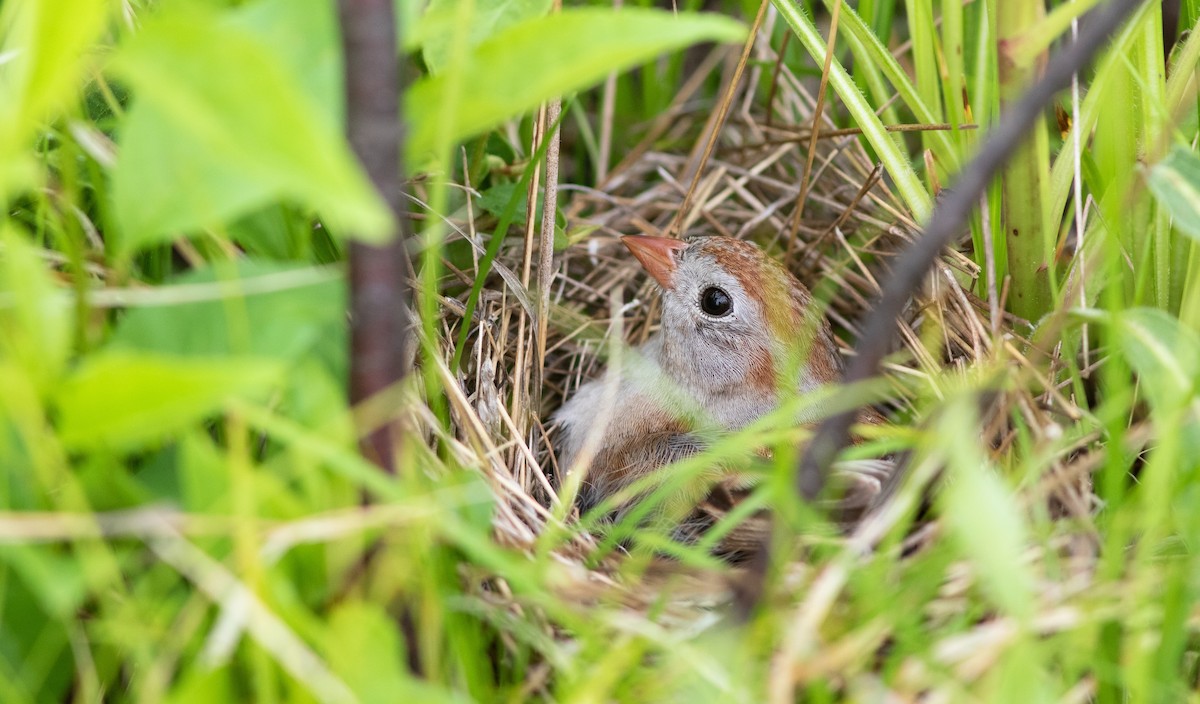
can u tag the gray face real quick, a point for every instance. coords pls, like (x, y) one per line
(712, 326)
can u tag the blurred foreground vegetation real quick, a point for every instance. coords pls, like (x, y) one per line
(185, 515)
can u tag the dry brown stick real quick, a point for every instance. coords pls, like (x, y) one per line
(722, 112)
(814, 250)
(378, 299)
(545, 269)
(798, 211)
(522, 366)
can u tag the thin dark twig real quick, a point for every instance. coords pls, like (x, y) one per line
(947, 221)
(378, 299)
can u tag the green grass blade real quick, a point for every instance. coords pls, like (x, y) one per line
(907, 182)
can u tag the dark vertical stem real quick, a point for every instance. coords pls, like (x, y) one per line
(378, 299)
(948, 220)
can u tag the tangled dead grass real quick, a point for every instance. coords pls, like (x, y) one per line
(852, 224)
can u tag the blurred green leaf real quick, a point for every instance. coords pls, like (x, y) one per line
(439, 27)
(201, 685)
(125, 400)
(204, 482)
(540, 58)
(264, 309)
(303, 37)
(265, 233)
(369, 657)
(36, 646)
(1164, 353)
(982, 514)
(408, 16)
(1175, 181)
(35, 314)
(55, 579)
(221, 126)
(45, 51)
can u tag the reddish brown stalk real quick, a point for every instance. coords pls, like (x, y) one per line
(378, 301)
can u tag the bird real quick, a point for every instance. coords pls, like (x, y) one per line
(739, 335)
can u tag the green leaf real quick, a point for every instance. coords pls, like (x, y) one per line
(264, 309)
(408, 16)
(43, 590)
(982, 514)
(366, 652)
(200, 685)
(894, 159)
(541, 58)
(368, 655)
(45, 52)
(440, 31)
(1164, 353)
(265, 233)
(55, 580)
(1175, 182)
(220, 126)
(303, 36)
(495, 200)
(35, 320)
(126, 400)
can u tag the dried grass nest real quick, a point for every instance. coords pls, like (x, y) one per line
(852, 224)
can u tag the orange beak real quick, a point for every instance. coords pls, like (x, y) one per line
(657, 255)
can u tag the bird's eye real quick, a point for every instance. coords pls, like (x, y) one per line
(715, 302)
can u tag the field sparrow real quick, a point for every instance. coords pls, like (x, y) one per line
(737, 328)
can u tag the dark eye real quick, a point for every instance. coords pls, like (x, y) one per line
(715, 302)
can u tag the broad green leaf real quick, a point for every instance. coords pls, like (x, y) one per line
(440, 32)
(303, 36)
(125, 400)
(982, 514)
(221, 126)
(42, 58)
(1175, 182)
(264, 309)
(1164, 353)
(540, 58)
